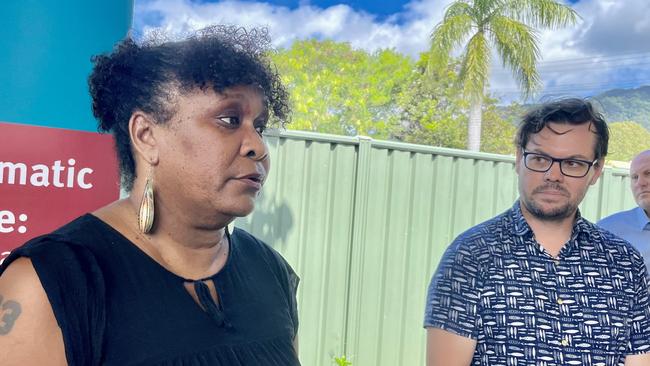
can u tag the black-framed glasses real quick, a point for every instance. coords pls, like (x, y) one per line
(541, 163)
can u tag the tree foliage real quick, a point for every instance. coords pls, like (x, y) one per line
(337, 89)
(431, 111)
(498, 134)
(386, 95)
(434, 112)
(626, 140)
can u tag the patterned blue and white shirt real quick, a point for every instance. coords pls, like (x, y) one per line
(587, 306)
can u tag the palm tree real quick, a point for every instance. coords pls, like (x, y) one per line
(510, 27)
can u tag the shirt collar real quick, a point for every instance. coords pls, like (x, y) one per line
(521, 227)
(641, 219)
(582, 226)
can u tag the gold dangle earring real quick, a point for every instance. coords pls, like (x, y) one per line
(146, 212)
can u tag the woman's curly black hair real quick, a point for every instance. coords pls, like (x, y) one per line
(144, 77)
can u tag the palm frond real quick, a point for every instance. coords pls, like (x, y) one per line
(485, 7)
(474, 68)
(447, 35)
(516, 44)
(541, 13)
(458, 8)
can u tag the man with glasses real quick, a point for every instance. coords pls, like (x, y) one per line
(539, 284)
(634, 225)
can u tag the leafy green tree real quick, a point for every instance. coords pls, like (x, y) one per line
(507, 26)
(337, 89)
(626, 140)
(498, 133)
(513, 112)
(433, 113)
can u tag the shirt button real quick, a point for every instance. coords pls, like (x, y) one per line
(557, 262)
(560, 301)
(565, 342)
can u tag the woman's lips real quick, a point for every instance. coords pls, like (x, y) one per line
(254, 181)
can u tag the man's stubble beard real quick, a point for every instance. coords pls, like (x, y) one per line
(554, 214)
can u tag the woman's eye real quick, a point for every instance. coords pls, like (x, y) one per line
(261, 128)
(231, 120)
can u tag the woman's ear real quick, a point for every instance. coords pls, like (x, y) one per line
(142, 130)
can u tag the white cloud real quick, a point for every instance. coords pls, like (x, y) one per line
(610, 47)
(616, 26)
(407, 32)
(581, 60)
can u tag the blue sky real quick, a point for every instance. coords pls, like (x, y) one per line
(382, 9)
(609, 48)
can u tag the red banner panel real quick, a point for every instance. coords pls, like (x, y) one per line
(49, 176)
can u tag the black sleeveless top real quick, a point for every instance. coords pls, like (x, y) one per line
(117, 306)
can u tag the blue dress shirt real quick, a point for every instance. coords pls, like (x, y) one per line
(632, 225)
(587, 306)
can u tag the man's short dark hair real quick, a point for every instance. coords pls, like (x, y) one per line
(573, 111)
(144, 76)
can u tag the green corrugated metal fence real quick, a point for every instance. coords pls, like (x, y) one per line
(364, 224)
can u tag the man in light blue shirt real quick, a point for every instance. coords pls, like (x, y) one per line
(634, 225)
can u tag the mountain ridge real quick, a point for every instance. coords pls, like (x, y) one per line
(620, 105)
(617, 105)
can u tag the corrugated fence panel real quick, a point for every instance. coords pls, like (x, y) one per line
(610, 194)
(418, 202)
(364, 223)
(616, 194)
(305, 213)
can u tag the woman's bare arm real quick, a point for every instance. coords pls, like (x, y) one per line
(29, 333)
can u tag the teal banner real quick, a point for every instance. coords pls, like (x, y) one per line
(46, 49)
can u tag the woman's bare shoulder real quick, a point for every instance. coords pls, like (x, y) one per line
(29, 333)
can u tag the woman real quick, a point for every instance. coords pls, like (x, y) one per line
(156, 278)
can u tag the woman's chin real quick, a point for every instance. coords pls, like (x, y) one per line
(241, 210)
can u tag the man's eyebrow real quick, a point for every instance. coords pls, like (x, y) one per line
(541, 152)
